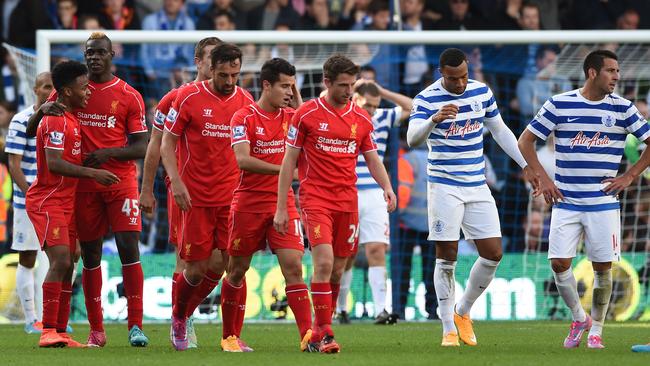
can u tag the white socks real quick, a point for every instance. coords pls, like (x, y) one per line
(40, 271)
(25, 289)
(445, 284)
(480, 276)
(600, 300)
(377, 280)
(342, 301)
(568, 289)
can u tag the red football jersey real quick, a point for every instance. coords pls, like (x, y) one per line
(331, 141)
(114, 110)
(163, 107)
(49, 189)
(206, 163)
(265, 133)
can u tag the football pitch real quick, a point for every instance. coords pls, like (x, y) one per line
(500, 343)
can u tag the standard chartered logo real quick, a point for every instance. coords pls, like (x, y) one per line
(352, 148)
(111, 122)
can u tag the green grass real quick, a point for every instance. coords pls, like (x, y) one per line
(500, 343)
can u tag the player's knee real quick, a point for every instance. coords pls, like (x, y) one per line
(27, 258)
(293, 273)
(559, 266)
(236, 273)
(195, 271)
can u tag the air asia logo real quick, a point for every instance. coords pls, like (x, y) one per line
(608, 121)
(114, 105)
(259, 130)
(456, 130)
(111, 122)
(581, 140)
(207, 112)
(323, 126)
(238, 132)
(56, 138)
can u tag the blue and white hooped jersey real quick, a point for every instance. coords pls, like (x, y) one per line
(589, 144)
(456, 147)
(383, 120)
(19, 144)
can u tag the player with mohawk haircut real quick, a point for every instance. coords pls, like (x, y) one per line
(113, 135)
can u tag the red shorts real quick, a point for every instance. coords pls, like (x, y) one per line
(203, 229)
(338, 229)
(54, 227)
(250, 232)
(96, 211)
(173, 218)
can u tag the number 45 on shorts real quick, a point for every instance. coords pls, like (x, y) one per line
(131, 209)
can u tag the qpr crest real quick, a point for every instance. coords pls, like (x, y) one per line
(608, 120)
(438, 226)
(476, 105)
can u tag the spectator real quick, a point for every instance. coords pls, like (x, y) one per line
(317, 16)
(629, 20)
(66, 11)
(89, 22)
(368, 72)
(414, 231)
(265, 16)
(460, 18)
(207, 20)
(383, 60)
(7, 111)
(27, 17)
(117, 15)
(224, 21)
(505, 18)
(10, 82)
(7, 8)
(353, 15)
(593, 14)
(535, 89)
(415, 72)
(159, 59)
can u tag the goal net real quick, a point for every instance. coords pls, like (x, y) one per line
(522, 68)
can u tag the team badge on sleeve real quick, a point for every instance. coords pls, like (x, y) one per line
(56, 138)
(238, 132)
(293, 132)
(159, 117)
(171, 115)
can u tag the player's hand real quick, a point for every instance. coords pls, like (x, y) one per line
(391, 199)
(546, 187)
(531, 177)
(448, 111)
(147, 203)
(181, 195)
(281, 221)
(96, 158)
(53, 108)
(105, 177)
(615, 185)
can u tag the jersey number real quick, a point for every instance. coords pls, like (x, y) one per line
(131, 207)
(354, 234)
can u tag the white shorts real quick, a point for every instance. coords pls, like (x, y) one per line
(601, 229)
(374, 226)
(24, 235)
(452, 208)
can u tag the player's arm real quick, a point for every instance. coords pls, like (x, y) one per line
(616, 185)
(16, 172)
(136, 149)
(378, 172)
(46, 109)
(506, 139)
(542, 183)
(252, 164)
(168, 155)
(57, 165)
(151, 161)
(421, 123)
(404, 102)
(281, 218)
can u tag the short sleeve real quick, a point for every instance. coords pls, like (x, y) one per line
(135, 115)
(544, 121)
(636, 124)
(297, 131)
(16, 141)
(422, 109)
(178, 117)
(491, 108)
(239, 127)
(367, 141)
(53, 133)
(161, 111)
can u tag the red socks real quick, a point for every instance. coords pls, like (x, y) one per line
(335, 294)
(209, 282)
(133, 279)
(184, 292)
(321, 294)
(174, 279)
(298, 298)
(91, 280)
(51, 300)
(241, 310)
(64, 307)
(230, 296)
